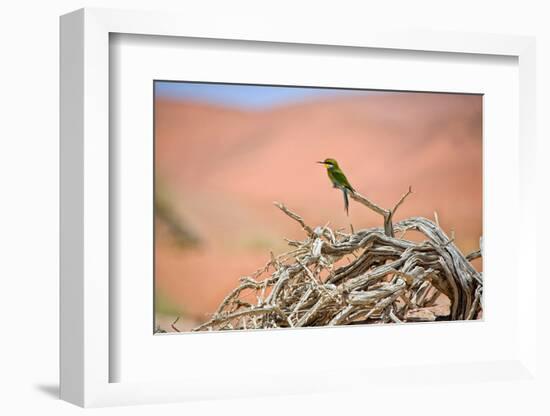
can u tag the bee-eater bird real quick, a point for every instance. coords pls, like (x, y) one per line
(338, 179)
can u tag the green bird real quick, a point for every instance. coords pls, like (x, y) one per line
(338, 179)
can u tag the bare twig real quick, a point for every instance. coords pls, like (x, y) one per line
(473, 255)
(295, 217)
(387, 214)
(173, 325)
(403, 197)
(368, 203)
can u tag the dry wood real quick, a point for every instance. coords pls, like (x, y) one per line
(385, 280)
(387, 214)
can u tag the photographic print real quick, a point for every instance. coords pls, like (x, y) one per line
(294, 206)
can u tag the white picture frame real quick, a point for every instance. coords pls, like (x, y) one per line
(87, 356)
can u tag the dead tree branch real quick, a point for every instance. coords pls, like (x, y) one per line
(368, 276)
(295, 217)
(387, 214)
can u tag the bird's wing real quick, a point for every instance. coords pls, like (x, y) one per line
(338, 178)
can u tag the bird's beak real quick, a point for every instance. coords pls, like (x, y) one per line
(322, 163)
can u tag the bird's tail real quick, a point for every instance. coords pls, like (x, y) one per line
(346, 201)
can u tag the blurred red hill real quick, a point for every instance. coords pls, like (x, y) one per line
(222, 169)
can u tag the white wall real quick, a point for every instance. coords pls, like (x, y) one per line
(29, 182)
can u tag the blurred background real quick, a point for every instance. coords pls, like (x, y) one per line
(224, 153)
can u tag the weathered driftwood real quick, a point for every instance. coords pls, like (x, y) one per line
(367, 276)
